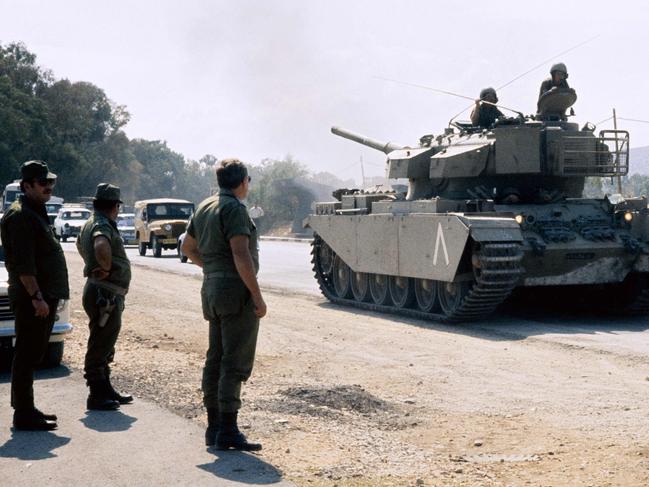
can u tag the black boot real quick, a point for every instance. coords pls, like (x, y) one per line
(49, 417)
(113, 394)
(212, 426)
(31, 420)
(99, 398)
(229, 435)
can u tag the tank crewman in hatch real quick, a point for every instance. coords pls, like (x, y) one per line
(222, 239)
(485, 114)
(559, 75)
(38, 279)
(109, 274)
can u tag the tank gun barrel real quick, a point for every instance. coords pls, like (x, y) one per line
(385, 147)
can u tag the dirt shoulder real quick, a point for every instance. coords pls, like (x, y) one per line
(348, 398)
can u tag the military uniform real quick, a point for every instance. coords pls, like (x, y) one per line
(547, 85)
(103, 300)
(487, 115)
(31, 249)
(227, 303)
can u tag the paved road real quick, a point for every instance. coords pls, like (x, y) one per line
(283, 265)
(140, 445)
(287, 266)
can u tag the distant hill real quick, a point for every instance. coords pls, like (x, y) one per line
(639, 160)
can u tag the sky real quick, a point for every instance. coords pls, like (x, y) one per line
(263, 79)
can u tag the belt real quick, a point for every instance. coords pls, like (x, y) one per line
(109, 286)
(214, 274)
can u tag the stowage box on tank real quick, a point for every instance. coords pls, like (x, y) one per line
(486, 211)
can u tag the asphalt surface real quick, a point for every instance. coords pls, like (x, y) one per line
(287, 266)
(283, 265)
(140, 445)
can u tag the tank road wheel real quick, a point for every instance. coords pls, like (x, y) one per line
(360, 286)
(341, 277)
(401, 291)
(325, 258)
(451, 296)
(379, 288)
(426, 295)
(322, 257)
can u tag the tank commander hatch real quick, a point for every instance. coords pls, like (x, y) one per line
(485, 114)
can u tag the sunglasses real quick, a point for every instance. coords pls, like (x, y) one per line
(46, 182)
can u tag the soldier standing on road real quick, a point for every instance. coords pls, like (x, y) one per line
(38, 279)
(485, 114)
(109, 274)
(222, 239)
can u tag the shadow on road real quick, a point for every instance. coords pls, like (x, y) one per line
(108, 421)
(518, 323)
(40, 374)
(32, 445)
(242, 467)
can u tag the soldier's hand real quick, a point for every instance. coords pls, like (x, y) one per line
(260, 307)
(41, 309)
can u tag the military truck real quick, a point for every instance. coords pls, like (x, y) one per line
(487, 211)
(159, 222)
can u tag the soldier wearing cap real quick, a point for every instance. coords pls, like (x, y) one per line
(222, 239)
(557, 79)
(38, 280)
(109, 274)
(485, 112)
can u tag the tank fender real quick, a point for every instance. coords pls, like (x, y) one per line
(420, 245)
(493, 229)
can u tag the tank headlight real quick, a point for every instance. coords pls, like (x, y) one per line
(167, 227)
(628, 216)
(519, 219)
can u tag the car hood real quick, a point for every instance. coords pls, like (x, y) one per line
(73, 223)
(161, 223)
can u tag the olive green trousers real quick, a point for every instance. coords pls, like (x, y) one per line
(233, 329)
(102, 339)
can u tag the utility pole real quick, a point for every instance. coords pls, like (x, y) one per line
(362, 172)
(617, 154)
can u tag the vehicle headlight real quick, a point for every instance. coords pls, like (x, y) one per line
(628, 216)
(167, 227)
(66, 225)
(519, 219)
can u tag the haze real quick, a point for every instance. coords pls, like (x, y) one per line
(266, 79)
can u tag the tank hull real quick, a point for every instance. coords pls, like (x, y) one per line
(474, 260)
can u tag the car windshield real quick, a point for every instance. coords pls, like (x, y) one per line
(170, 211)
(53, 208)
(125, 221)
(76, 215)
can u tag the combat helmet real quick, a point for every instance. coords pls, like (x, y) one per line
(561, 67)
(488, 91)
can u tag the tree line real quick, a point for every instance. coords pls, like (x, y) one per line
(79, 132)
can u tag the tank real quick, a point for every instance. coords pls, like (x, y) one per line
(487, 212)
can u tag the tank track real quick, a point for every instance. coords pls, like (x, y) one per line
(639, 304)
(499, 271)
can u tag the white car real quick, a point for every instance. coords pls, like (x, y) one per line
(62, 325)
(69, 221)
(126, 227)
